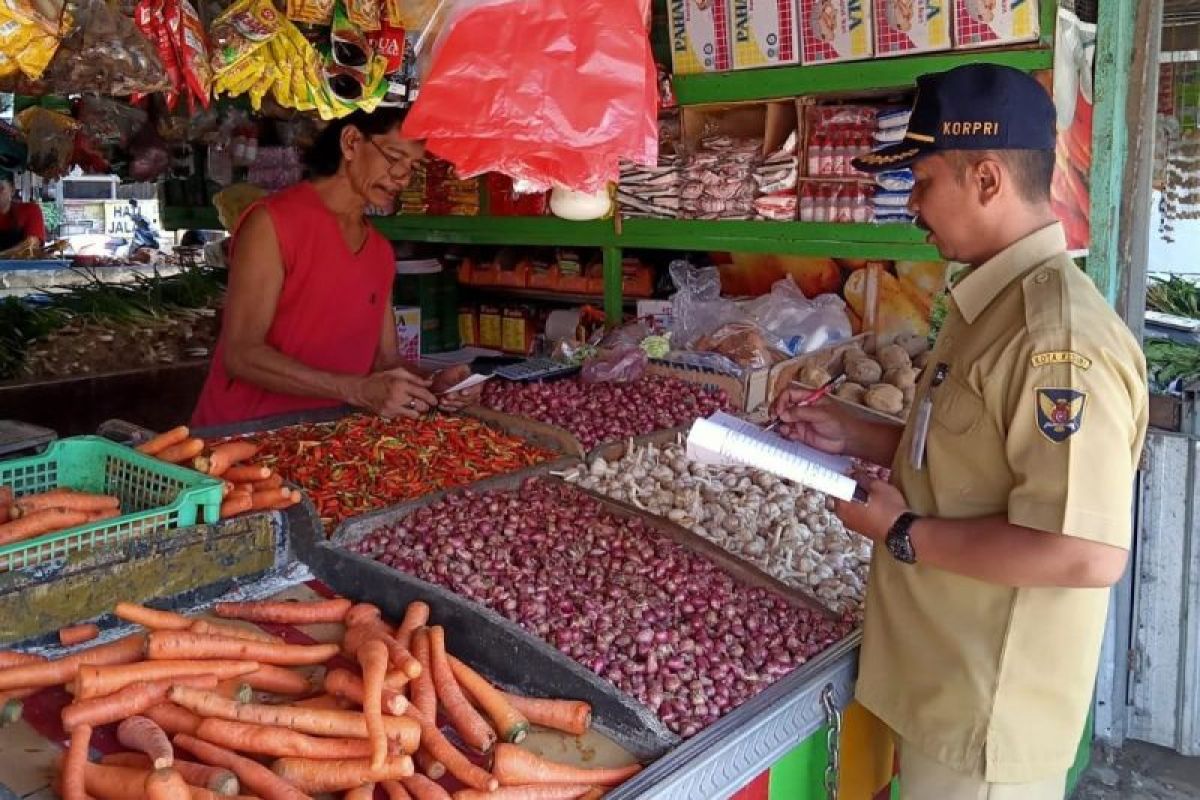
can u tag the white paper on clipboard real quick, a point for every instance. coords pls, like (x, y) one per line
(466, 383)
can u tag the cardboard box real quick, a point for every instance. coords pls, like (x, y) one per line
(750, 391)
(991, 23)
(700, 40)
(765, 33)
(835, 30)
(904, 27)
(408, 331)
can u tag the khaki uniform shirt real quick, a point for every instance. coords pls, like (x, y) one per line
(1041, 417)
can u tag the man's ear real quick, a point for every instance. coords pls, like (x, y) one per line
(988, 176)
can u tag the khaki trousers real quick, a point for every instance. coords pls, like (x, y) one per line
(922, 778)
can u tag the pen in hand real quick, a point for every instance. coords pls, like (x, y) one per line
(821, 391)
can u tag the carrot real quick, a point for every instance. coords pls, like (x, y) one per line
(290, 500)
(173, 719)
(99, 681)
(473, 729)
(373, 659)
(364, 792)
(378, 629)
(423, 694)
(325, 702)
(427, 765)
(236, 503)
(100, 516)
(569, 716)
(396, 680)
(215, 779)
(13, 658)
(64, 670)
(415, 616)
(455, 763)
(224, 456)
(347, 724)
(516, 767)
(183, 452)
(345, 684)
(132, 699)
(68, 499)
(267, 499)
(277, 680)
(144, 735)
(151, 618)
(361, 613)
(286, 612)
(39, 523)
(155, 445)
(73, 787)
(268, 740)
(508, 722)
(546, 791)
(395, 791)
(236, 690)
(247, 473)
(208, 628)
(313, 776)
(251, 775)
(421, 788)
(166, 784)
(273, 482)
(185, 644)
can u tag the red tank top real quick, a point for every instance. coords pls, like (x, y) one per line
(329, 315)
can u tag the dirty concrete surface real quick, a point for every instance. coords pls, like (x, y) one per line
(1140, 771)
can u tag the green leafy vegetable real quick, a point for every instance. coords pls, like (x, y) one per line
(1168, 361)
(1174, 295)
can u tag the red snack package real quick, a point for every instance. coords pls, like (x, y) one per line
(191, 48)
(148, 16)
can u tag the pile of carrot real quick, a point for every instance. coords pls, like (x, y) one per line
(179, 696)
(248, 486)
(52, 511)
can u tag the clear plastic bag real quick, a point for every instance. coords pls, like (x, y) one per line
(798, 324)
(697, 308)
(105, 53)
(743, 343)
(623, 365)
(630, 335)
(51, 140)
(550, 92)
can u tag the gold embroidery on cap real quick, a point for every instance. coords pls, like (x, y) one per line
(875, 158)
(920, 137)
(1060, 357)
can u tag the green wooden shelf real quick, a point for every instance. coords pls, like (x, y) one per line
(497, 230)
(782, 83)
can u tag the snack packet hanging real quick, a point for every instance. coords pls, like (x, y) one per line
(310, 12)
(366, 15)
(241, 30)
(46, 15)
(51, 140)
(148, 17)
(191, 49)
(391, 44)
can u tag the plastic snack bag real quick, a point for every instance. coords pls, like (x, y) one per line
(50, 137)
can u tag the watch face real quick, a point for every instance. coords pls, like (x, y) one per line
(899, 543)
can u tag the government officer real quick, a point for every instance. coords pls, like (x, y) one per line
(1009, 512)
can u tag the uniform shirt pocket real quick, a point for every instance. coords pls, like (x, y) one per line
(956, 409)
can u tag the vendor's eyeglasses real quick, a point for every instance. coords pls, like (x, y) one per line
(393, 162)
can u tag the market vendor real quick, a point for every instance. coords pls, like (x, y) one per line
(308, 319)
(21, 224)
(1009, 512)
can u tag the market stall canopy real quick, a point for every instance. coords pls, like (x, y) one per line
(550, 92)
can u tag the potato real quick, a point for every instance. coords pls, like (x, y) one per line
(864, 370)
(893, 356)
(913, 344)
(910, 394)
(921, 361)
(901, 377)
(886, 398)
(850, 391)
(814, 376)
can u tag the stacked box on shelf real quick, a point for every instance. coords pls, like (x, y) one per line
(413, 197)
(448, 195)
(908, 27)
(986, 23)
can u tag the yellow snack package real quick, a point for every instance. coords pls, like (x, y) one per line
(239, 78)
(311, 12)
(364, 14)
(46, 15)
(260, 87)
(15, 34)
(240, 30)
(36, 56)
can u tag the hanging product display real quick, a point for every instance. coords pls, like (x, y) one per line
(105, 53)
(29, 38)
(51, 140)
(586, 96)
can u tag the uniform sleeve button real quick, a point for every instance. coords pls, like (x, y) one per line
(1041, 277)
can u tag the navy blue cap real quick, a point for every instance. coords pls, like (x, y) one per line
(973, 107)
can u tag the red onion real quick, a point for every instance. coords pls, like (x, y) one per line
(662, 623)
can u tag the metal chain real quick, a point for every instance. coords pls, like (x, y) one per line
(833, 741)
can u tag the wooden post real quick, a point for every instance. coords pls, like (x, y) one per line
(613, 295)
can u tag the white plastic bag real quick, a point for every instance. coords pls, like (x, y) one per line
(801, 325)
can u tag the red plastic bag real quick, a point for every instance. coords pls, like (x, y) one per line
(550, 92)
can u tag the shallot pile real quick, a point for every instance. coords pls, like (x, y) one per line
(606, 412)
(667, 626)
(781, 527)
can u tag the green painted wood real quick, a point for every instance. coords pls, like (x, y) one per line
(613, 291)
(836, 240)
(853, 76)
(800, 775)
(1110, 143)
(548, 231)
(1083, 757)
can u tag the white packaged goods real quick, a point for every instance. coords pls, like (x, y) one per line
(989, 23)
(904, 27)
(764, 33)
(835, 30)
(700, 40)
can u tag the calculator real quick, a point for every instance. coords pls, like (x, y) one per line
(535, 369)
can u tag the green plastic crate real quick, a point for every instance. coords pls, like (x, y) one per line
(154, 495)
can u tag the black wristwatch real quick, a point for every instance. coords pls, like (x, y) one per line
(899, 541)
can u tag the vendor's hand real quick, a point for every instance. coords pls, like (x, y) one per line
(456, 401)
(395, 393)
(820, 425)
(875, 517)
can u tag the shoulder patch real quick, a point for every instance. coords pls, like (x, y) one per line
(1060, 412)
(1060, 357)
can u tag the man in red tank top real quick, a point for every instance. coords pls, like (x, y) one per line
(308, 319)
